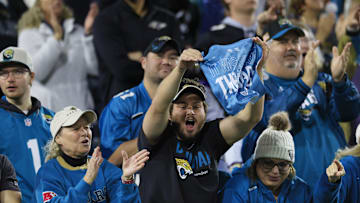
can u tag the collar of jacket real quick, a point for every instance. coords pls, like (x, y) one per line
(36, 105)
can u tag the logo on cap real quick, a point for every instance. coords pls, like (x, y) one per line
(291, 154)
(8, 54)
(166, 38)
(284, 21)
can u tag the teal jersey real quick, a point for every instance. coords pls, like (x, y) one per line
(122, 118)
(23, 138)
(58, 181)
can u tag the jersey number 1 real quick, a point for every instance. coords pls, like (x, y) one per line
(34, 147)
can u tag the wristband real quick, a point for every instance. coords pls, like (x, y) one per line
(128, 181)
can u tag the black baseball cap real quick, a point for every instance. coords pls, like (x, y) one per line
(190, 85)
(279, 28)
(159, 43)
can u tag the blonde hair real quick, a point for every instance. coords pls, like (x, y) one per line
(35, 15)
(352, 151)
(52, 150)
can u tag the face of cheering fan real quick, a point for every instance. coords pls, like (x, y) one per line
(75, 141)
(189, 115)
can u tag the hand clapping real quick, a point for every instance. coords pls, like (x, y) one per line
(133, 164)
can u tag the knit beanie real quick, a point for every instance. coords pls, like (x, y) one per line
(276, 141)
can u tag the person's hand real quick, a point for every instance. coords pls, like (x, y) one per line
(135, 56)
(93, 166)
(335, 171)
(310, 67)
(339, 62)
(265, 54)
(266, 17)
(133, 164)
(90, 18)
(52, 10)
(325, 26)
(188, 58)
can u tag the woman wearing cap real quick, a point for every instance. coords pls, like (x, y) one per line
(271, 176)
(69, 175)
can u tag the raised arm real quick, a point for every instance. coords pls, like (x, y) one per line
(156, 118)
(345, 95)
(233, 128)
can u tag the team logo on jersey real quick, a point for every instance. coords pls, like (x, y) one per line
(28, 122)
(48, 195)
(183, 167)
(8, 54)
(307, 106)
(47, 118)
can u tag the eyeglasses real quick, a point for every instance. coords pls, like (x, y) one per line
(17, 73)
(268, 165)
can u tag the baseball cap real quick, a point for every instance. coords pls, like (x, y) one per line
(279, 28)
(159, 43)
(15, 56)
(190, 85)
(68, 117)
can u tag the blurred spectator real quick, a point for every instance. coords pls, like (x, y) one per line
(63, 52)
(211, 13)
(10, 13)
(121, 33)
(321, 21)
(275, 10)
(316, 102)
(121, 119)
(9, 188)
(46, 96)
(69, 175)
(340, 182)
(271, 176)
(239, 24)
(24, 128)
(306, 42)
(348, 30)
(188, 16)
(80, 9)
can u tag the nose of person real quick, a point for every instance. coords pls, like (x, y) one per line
(165, 60)
(275, 170)
(190, 111)
(83, 131)
(291, 45)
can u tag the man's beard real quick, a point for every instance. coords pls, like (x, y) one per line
(182, 137)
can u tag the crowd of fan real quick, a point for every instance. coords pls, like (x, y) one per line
(163, 133)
